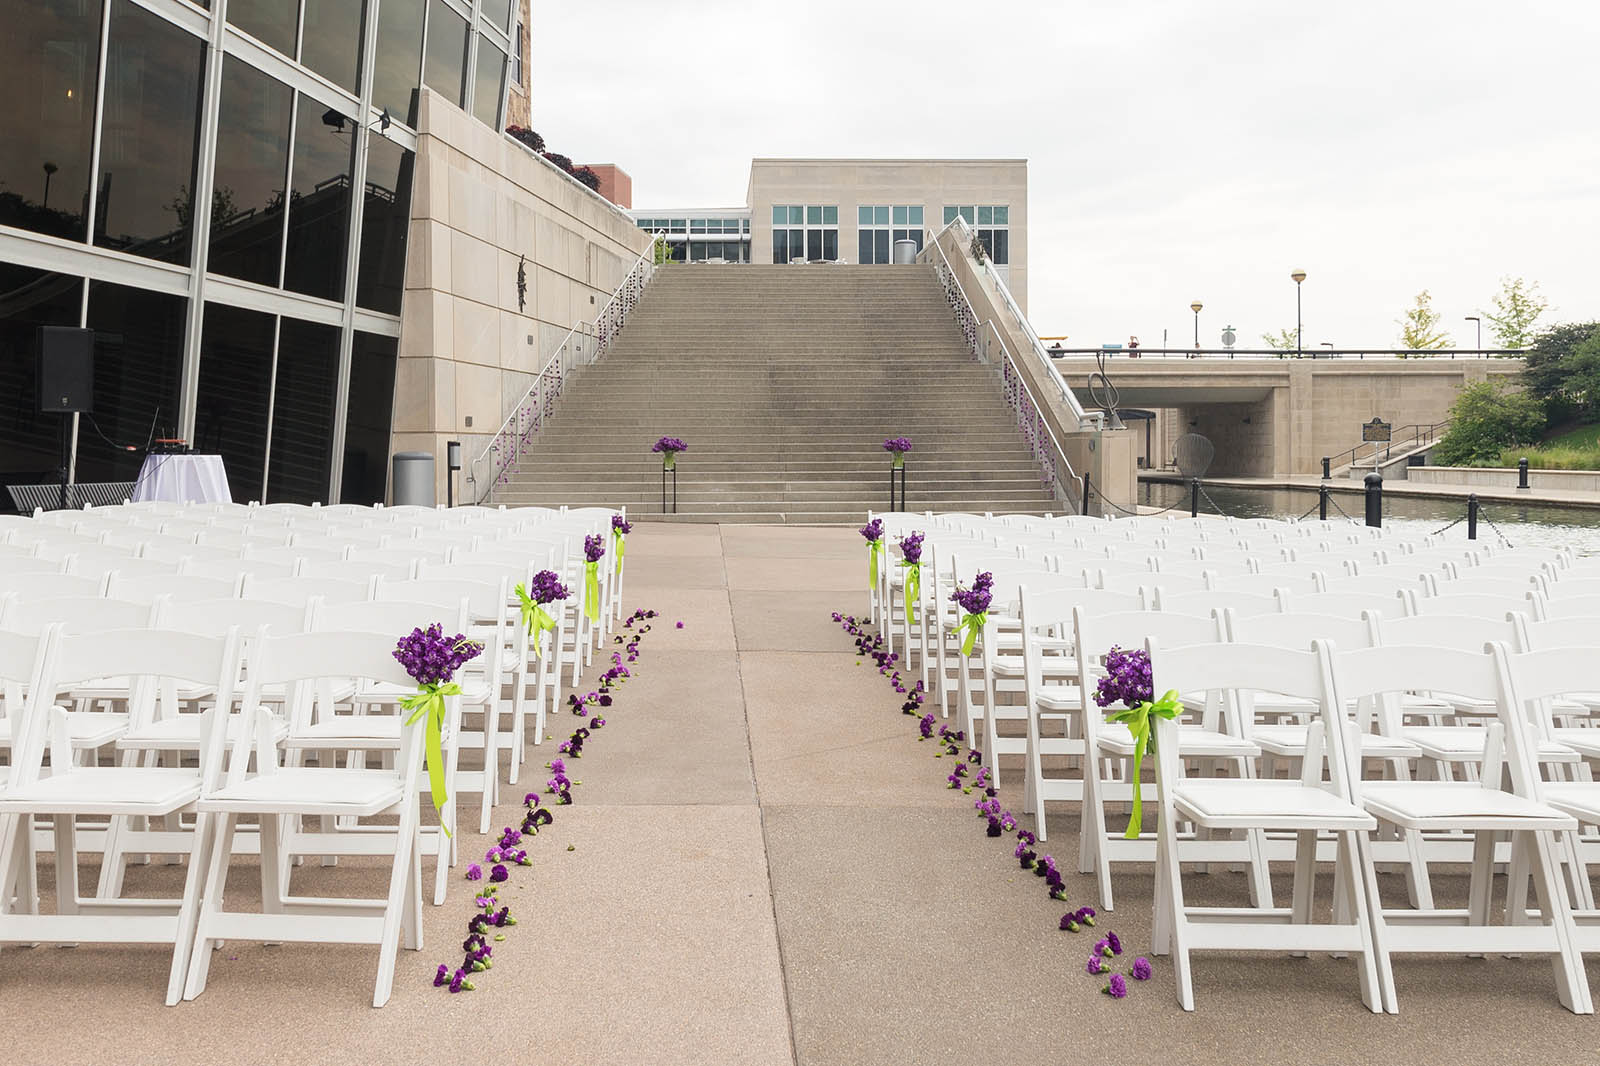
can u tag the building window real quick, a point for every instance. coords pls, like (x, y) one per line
(319, 203)
(444, 70)
(397, 69)
(521, 51)
(805, 233)
(490, 81)
(992, 224)
(879, 226)
(252, 165)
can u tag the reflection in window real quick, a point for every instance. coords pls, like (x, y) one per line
(138, 367)
(386, 210)
(446, 65)
(491, 79)
(331, 40)
(269, 21)
(147, 148)
(319, 202)
(396, 72)
(48, 61)
(497, 13)
(302, 412)
(367, 415)
(252, 156)
(235, 389)
(30, 442)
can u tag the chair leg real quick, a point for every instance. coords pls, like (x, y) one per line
(396, 905)
(210, 905)
(1482, 880)
(1356, 899)
(189, 909)
(1305, 878)
(1572, 983)
(1172, 910)
(66, 865)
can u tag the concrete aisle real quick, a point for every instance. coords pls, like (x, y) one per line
(767, 869)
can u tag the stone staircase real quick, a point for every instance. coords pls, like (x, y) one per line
(784, 381)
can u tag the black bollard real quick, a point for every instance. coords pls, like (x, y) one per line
(1086, 494)
(1194, 497)
(1326, 468)
(1322, 501)
(1374, 483)
(1522, 472)
(1472, 516)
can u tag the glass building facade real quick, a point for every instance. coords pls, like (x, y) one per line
(222, 191)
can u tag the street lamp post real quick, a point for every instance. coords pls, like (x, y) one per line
(1298, 276)
(1195, 307)
(1328, 345)
(1475, 320)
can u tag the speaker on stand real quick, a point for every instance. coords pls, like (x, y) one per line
(66, 385)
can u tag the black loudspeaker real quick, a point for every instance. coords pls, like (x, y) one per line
(66, 369)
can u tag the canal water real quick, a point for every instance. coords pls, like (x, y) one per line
(1520, 525)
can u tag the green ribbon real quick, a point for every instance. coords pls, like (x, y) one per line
(913, 589)
(973, 624)
(535, 619)
(618, 544)
(874, 560)
(429, 700)
(591, 590)
(1138, 722)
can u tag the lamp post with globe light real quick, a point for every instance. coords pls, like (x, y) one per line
(1299, 276)
(1476, 321)
(1195, 307)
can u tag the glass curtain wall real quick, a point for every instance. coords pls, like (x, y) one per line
(103, 145)
(805, 233)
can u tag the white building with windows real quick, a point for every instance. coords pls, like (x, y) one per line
(854, 210)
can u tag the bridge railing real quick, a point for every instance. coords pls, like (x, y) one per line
(1279, 353)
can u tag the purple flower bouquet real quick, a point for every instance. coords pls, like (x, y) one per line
(911, 561)
(547, 588)
(975, 601)
(669, 447)
(620, 528)
(897, 447)
(1128, 682)
(873, 532)
(432, 659)
(594, 547)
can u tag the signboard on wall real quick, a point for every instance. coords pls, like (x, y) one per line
(1377, 431)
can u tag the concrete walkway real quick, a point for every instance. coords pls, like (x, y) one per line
(1396, 487)
(765, 868)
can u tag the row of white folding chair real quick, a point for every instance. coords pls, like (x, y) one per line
(275, 795)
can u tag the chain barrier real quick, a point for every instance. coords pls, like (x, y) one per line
(1310, 512)
(1334, 499)
(1132, 514)
(1452, 525)
(1207, 497)
(1484, 514)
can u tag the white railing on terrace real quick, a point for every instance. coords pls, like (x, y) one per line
(965, 235)
(1054, 468)
(583, 345)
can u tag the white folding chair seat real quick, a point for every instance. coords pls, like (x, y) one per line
(1241, 803)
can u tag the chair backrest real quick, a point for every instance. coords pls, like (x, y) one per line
(1567, 607)
(1342, 604)
(375, 562)
(1565, 588)
(178, 588)
(487, 600)
(214, 617)
(1298, 630)
(1470, 583)
(1460, 632)
(1266, 584)
(22, 658)
(293, 555)
(300, 590)
(1207, 600)
(1484, 606)
(398, 617)
(1530, 683)
(99, 564)
(46, 584)
(235, 569)
(74, 614)
(1534, 635)
(12, 564)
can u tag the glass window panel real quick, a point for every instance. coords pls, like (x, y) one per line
(302, 412)
(386, 209)
(967, 214)
(49, 58)
(399, 62)
(319, 204)
(497, 13)
(367, 418)
(1002, 247)
(950, 215)
(234, 390)
(138, 367)
(830, 215)
(730, 225)
(899, 215)
(881, 215)
(697, 225)
(445, 68)
(830, 244)
(813, 245)
(780, 246)
(985, 216)
(252, 159)
(1002, 216)
(916, 235)
(269, 21)
(697, 251)
(679, 224)
(881, 246)
(814, 216)
(490, 83)
(863, 216)
(746, 223)
(986, 238)
(864, 246)
(796, 214)
(916, 216)
(147, 147)
(331, 40)
(30, 442)
(780, 214)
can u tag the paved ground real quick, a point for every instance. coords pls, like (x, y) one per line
(767, 869)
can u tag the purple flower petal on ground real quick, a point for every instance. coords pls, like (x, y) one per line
(498, 874)
(1114, 943)
(1068, 923)
(474, 872)
(1096, 965)
(1141, 969)
(1117, 988)
(442, 977)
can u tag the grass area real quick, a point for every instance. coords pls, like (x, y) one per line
(1552, 457)
(1576, 437)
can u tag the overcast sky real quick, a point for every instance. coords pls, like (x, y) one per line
(1177, 151)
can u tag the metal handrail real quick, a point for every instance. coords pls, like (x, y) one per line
(1030, 419)
(1283, 353)
(1028, 332)
(528, 415)
(1421, 433)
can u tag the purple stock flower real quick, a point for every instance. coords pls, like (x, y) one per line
(547, 587)
(669, 444)
(1127, 679)
(680, 625)
(498, 874)
(1141, 969)
(430, 657)
(1069, 923)
(1114, 943)
(474, 872)
(1096, 965)
(897, 444)
(873, 530)
(1086, 916)
(976, 599)
(594, 546)
(1117, 988)
(911, 547)
(994, 827)
(441, 978)
(621, 525)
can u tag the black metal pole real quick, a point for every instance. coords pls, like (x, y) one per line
(66, 460)
(1322, 501)
(1374, 483)
(663, 488)
(1522, 473)
(903, 506)
(1086, 494)
(1472, 516)
(1194, 497)
(674, 488)
(1327, 468)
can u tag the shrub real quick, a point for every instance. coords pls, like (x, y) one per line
(1551, 457)
(1485, 420)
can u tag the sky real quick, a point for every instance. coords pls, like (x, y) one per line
(1178, 151)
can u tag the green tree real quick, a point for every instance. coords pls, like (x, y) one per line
(1419, 326)
(1516, 310)
(1550, 365)
(1283, 340)
(1485, 420)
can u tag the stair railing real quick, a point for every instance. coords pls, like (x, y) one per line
(1055, 469)
(583, 344)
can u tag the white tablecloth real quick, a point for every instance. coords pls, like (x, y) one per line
(183, 479)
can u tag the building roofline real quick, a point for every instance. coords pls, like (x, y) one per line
(879, 161)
